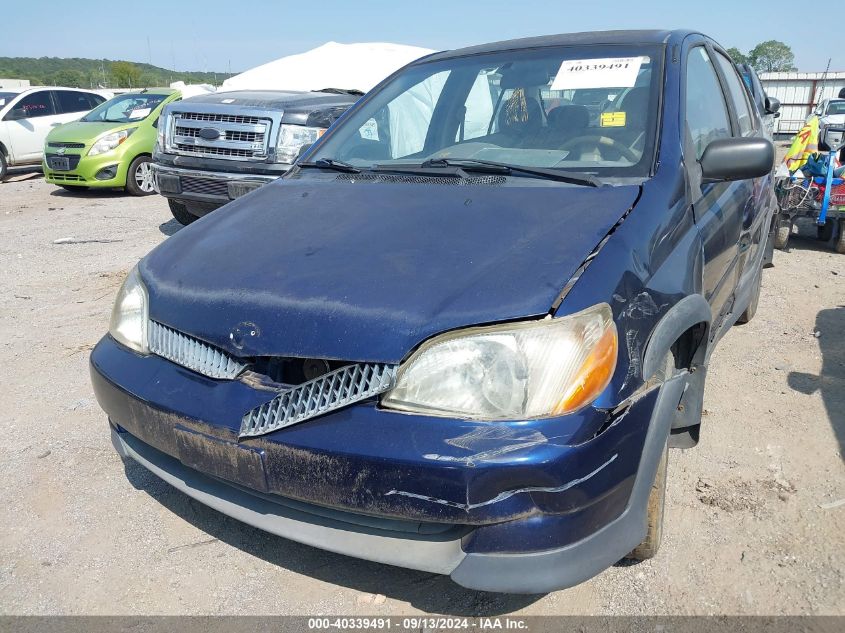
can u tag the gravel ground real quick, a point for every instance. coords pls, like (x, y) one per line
(753, 522)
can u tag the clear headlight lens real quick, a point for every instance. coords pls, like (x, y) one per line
(129, 316)
(109, 142)
(513, 371)
(291, 140)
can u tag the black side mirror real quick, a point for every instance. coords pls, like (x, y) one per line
(15, 114)
(772, 105)
(737, 159)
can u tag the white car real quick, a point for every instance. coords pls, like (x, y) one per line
(27, 116)
(831, 113)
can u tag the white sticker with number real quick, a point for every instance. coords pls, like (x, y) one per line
(139, 113)
(369, 130)
(607, 72)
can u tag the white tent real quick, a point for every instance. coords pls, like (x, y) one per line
(332, 65)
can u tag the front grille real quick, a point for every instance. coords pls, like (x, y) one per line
(329, 392)
(66, 177)
(69, 145)
(422, 180)
(217, 151)
(221, 118)
(207, 186)
(187, 131)
(246, 137)
(191, 353)
(73, 161)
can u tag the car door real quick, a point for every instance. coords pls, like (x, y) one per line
(717, 206)
(27, 134)
(747, 123)
(72, 104)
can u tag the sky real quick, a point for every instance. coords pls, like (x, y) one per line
(211, 35)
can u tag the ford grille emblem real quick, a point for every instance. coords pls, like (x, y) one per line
(209, 133)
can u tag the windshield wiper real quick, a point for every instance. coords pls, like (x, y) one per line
(331, 163)
(489, 166)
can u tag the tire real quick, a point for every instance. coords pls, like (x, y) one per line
(139, 177)
(74, 188)
(751, 310)
(4, 166)
(782, 235)
(825, 231)
(655, 512)
(840, 241)
(181, 213)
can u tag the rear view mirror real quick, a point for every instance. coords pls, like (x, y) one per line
(737, 159)
(772, 105)
(15, 114)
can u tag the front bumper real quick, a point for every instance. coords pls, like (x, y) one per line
(208, 187)
(390, 487)
(85, 172)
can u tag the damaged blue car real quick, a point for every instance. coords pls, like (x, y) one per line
(462, 333)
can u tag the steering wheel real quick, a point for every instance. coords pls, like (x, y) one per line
(597, 140)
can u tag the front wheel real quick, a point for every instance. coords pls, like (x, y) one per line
(4, 166)
(782, 235)
(655, 512)
(181, 213)
(840, 241)
(139, 177)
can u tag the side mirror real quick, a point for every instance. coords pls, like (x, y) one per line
(15, 114)
(737, 159)
(772, 105)
(833, 137)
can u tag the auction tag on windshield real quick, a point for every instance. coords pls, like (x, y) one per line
(140, 113)
(612, 119)
(607, 72)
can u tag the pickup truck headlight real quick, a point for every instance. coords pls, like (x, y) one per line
(291, 140)
(130, 314)
(109, 142)
(512, 371)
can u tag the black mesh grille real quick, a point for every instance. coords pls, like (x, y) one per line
(207, 186)
(68, 145)
(423, 180)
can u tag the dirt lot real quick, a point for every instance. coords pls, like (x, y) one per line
(754, 520)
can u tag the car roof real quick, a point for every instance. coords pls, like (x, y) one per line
(565, 39)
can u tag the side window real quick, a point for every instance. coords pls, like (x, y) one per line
(71, 101)
(739, 95)
(706, 113)
(36, 104)
(94, 100)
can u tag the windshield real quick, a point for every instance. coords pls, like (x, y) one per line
(586, 108)
(125, 108)
(5, 97)
(836, 107)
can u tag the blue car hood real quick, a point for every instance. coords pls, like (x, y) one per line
(365, 271)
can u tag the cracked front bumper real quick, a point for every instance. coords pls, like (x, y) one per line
(395, 488)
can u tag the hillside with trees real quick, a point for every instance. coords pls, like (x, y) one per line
(766, 57)
(90, 73)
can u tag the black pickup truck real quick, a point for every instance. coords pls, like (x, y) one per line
(214, 148)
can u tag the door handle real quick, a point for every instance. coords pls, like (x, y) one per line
(744, 243)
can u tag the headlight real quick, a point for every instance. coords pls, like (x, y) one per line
(109, 142)
(161, 126)
(129, 316)
(291, 140)
(513, 371)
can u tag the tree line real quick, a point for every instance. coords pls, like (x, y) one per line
(78, 72)
(770, 56)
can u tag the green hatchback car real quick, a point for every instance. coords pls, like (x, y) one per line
(111, 146)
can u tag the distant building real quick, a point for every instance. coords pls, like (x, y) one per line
(798, 94)
(20, 84)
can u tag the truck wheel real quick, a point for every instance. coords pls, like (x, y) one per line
(840, 241)
(825, 231)
(181, 213)
(656, 506)
(4, 166)
(751, 310)
(782, 235)
(139, 177)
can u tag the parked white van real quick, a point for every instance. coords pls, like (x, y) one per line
(26, 116)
